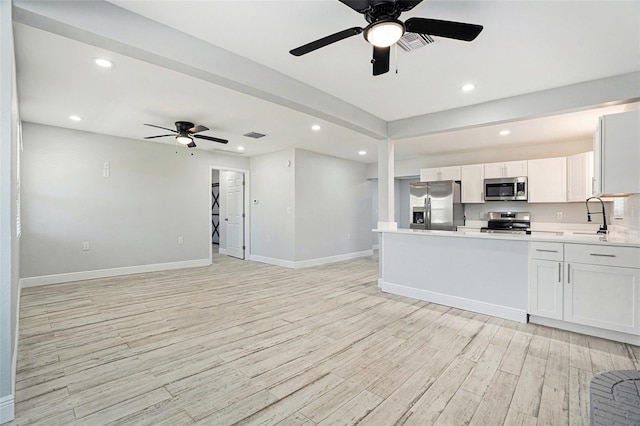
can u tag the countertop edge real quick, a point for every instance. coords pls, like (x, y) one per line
(573, 239)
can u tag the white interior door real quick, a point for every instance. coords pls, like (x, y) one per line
(234, 219)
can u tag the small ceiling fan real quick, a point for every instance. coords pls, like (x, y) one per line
(185, 132)
(385, 29)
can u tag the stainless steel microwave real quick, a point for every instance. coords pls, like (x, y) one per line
(505, 189)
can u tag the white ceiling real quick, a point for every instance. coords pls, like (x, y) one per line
(526, 46)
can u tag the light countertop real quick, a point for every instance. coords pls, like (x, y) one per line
(567, 237)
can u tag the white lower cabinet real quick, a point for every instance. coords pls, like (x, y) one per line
(591, 285)
(603, 296)
(545, 279)
(545, 288)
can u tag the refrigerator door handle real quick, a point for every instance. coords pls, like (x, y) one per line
(428, 221)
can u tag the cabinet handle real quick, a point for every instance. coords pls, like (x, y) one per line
(559, 272)
(603, 255)
(569, 273)
(593, 186)
(547, 251)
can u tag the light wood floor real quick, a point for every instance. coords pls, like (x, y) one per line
(249, 343)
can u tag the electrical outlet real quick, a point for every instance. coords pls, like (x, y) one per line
(180, 239)
(559, 215)
(85, 246)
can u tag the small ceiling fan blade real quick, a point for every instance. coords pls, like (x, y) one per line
(191, 145)
(211, 138)
(325, 41)
(197, 129)
(159, 136)
(406, 5)
(358, 5)
(381, 60)
(448, 29)
(164, 128)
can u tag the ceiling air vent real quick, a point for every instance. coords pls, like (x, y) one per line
(254, 135)
(413, 41)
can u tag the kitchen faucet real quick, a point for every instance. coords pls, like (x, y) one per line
(603, 228)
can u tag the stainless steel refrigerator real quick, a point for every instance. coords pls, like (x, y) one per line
(436, 205)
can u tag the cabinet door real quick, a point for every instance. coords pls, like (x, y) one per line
(493, 170)
(429, 175)
(515, 168)
(579, 176)
(545, 288)
(620, 150)
(472, 187)
(450, 173)
(547, 180)
(596, 181)
(606, 297)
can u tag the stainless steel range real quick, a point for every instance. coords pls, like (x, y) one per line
(508, 222)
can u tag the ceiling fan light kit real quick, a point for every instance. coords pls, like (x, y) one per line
(384, 33)
(385, 29)
(184, 139)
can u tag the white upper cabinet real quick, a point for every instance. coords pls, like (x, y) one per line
(472, 177)
(440, 173)
(548, 180)
(507, 169)
(616, 149)
(579, 176)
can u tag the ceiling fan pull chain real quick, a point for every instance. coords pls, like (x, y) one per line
(395, 53)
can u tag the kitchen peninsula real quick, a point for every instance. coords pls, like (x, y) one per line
(491, 274)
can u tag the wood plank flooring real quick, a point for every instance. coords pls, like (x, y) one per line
(247, 343)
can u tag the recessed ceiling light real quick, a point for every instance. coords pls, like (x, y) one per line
(504, 132)
(315, 127)
(75, 118)
(102, 62)
(240, 148)
(362, 152)
(468, 87)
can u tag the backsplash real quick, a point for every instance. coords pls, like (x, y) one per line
(631, 215)
(541, 212)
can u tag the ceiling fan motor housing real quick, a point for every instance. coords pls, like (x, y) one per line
(183, 126)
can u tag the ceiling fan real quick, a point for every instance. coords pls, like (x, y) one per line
(385, 29)
(185, 132)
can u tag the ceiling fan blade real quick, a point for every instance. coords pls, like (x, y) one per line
(358, 5)
(159, 136)
(325, 41)
(406, 5)
(448, 29)
(211, 138)
(197, 129)
(164, 128)
(191, 145)
(380, 60)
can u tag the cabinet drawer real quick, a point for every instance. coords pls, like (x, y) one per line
(627, 257)
(546, 251)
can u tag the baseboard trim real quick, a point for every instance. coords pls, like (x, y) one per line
(376, 247)
(113, 272)
(7, 408)
(584, 329)
(311, 262)
(486, 308)
(272, 261)
(332, 259)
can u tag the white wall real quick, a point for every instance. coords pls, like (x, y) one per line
(273, 217)
(9, 242)
(134, 217)
(332, 206)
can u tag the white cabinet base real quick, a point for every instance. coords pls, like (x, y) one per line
(583, 329)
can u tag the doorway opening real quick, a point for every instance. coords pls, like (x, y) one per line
(229, 225)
